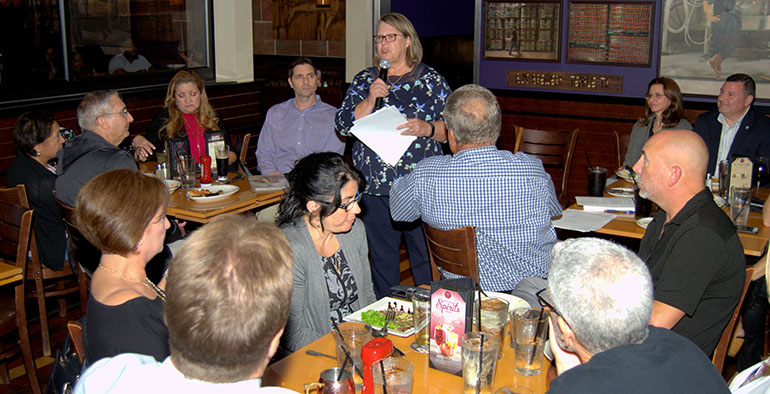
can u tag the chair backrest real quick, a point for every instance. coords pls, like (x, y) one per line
(15, 195)
(621, 146)
(244, 147)
(718, 359)
(15, 228)
(75, 330)
(84, 253)
(452, 250)
(554, 148)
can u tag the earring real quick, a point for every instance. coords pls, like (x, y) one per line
(36, 153)
(139, 244)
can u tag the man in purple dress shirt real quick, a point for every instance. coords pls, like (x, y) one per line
(297, 127)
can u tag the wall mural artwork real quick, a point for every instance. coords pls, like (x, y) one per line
(303, 20)
(705, 41)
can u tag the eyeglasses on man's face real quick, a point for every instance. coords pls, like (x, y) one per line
(124, 113)
(349, 205)
(386, 38)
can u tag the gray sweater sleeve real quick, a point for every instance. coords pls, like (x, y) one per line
(639, 136)
(309, 312)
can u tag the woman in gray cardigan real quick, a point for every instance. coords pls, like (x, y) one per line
(331, 274)
(663, 110)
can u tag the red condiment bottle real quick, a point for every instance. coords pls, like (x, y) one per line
(373, 351)
(205, 170)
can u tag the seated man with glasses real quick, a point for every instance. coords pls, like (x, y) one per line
(508, 198)
(599, 298)
(104, 120)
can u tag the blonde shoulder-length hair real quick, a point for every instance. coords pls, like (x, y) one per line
(207, 117)
(402, 24)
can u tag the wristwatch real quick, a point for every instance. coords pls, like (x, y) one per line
(432, 130)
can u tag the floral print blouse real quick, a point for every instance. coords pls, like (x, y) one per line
(420, 93)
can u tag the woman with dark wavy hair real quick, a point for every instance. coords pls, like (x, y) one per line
(37, 140)
(663, 110)
(318, 216)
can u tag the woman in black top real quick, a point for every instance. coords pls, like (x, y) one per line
(123, 214)
(37, 139)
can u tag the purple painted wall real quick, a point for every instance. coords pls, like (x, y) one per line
(635, 79)
(437, 17)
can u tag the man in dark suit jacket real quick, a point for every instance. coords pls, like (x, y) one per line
(736, 128)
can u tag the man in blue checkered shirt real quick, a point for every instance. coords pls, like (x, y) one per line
(508, 198)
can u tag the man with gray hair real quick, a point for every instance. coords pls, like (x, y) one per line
(103, 120)
(599, 298)
(227, 301)
(508, 198)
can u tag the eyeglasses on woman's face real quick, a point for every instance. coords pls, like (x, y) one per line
(386, 38)
(349, 205)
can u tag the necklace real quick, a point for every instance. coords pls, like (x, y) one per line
(195, 133)
(146, 282)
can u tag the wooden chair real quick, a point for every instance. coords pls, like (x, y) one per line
(621, 146)
(452, 250)
(248, 145)
(75, 331)
(718, 359)
(47, 282)
(554, 148)
(86, 256)
(15, 230)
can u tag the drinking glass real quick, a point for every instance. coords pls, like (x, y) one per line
(597, 178)
(479, 354)
(354, 337)
(761, 172)
(421, 316)
(394, 374)
(222, 153)
(187, 171)
(740, 199)
(494, 319)
(527, 339)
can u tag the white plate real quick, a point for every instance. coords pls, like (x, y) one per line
(644, 222)
(227, 191)
(172, 184)
(626, 175)
(382, 305)
(621, 192)
(720, 201)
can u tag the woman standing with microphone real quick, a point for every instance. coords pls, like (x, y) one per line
(419, 93)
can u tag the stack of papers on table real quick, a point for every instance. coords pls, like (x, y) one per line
(378, 131)
(607, 204)
(577, 220)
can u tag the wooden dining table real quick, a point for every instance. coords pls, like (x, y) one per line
(299, 368)
(244, 200)
(624, 225)
(9, 273)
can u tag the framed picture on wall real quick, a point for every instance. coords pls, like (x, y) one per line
(610, 32)
(522, 30)
(702, 43)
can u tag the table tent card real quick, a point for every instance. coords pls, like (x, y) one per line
(451, 316)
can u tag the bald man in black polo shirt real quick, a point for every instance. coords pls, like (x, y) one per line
(691, 247)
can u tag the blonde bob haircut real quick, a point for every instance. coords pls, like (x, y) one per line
(113, 209)
(174, 126)
(402, 24)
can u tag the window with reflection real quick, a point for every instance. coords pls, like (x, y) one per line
(52, 47)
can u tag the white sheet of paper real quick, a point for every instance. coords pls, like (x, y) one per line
(378, 131)
(577, 220)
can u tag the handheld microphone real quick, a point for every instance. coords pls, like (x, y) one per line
(384, 66)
